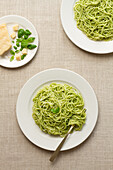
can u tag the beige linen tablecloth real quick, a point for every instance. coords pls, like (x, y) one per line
(56, 50)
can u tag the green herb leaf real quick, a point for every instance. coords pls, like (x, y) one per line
(25, 36)
(15, 47)
(24, 44)
(27, 32)
(23, 56)
(20, 33)
(21, 49)
(55, 110)
(12, 52)
(31, 39)
(12, 58)
(12, 41)
(19, 40)
(17, 51)
(31, 46)
(17, 44)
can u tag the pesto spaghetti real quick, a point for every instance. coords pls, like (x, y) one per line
(95, 18)
(58, 106)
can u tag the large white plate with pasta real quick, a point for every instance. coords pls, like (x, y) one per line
(77, 36)
(25, 103)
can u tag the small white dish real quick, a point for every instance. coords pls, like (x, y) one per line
(11, 20)
(24, 108)
(77, 36)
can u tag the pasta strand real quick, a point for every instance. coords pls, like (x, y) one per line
(58, 106)
(95, 18)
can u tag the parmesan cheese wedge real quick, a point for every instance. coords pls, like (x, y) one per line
(5, 43)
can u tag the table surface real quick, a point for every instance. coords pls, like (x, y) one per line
(55, 51)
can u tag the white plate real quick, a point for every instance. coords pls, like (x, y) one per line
(11, 20)
(77, 36)
(24, 108)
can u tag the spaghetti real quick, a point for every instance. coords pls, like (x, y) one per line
(58, 106)
(95, 18)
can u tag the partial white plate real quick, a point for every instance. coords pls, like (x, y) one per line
(24, 108)
(11, 20)
(77, 36)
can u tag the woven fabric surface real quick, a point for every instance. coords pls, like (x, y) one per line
(55, 51)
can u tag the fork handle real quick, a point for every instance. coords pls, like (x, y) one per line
(54, 155)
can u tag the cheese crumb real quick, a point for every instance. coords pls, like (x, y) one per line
(24, 51)
(15, 27)
(18, 57)
(13, 35)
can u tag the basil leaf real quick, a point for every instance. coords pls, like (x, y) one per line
(27, 32)
(17, 51)
(12, 41)
(24, 44)
(55, 110)
(12, 52)
(25, 36)
(12, 58)
(23, 56)
(15, 47)
(18, 40)
(31, 46)
(21, 49)
(31, 39)
(20, 33)
(17, 44)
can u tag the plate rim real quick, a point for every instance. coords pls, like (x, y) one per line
(71, 38)
(24, 63)
(19, 123)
